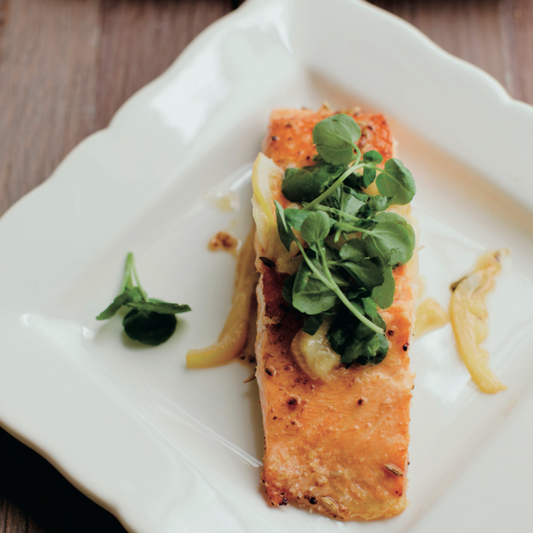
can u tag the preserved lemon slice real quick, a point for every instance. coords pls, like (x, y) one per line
(313, 353)
(429, 317)
(266, 182)
(234, 335)
(266, 176)
(468, 314)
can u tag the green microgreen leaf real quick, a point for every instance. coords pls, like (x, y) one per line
(296, 217)
(383, 294)
(149, 328)
(310, 294)
(285, 233)
(151, 321)
(312, 324)
(315, 227)
(390, 242)
(305, 184)
(353, 250)
(373, 156)
(120, 300)
(160, 307)
(367, 272)
(396, 182)
(335, 138)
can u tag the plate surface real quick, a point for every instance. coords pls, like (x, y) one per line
(167, 449)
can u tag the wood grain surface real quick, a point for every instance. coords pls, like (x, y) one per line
(66, 66)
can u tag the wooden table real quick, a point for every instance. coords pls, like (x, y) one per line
(65, 68)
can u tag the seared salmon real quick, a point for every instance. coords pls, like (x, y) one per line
(339, 447)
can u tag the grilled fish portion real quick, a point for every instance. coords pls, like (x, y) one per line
(339, 446)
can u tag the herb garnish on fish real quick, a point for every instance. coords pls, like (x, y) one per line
(342, 279)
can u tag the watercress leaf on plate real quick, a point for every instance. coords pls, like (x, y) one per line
(373, 156)
(356, 347)
(312, 324)
(383, 294)
(296, 217)
(160, 307)
(315, 228)
(335, 139)
(397, 219)
(368, 272)
(149, 327)
(376, 351)
(353, 250)
(378, 202)
(306, 184)
(396, 182)
(309, 294)
(390, 242)
(287, 288)
(369, 175)
(353, 205)
(285, 233)
(341, 329)
(370, 307)
(118, 302)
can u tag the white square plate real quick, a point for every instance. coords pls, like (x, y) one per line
(169, 449)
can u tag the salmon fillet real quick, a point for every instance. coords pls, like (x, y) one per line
(338, 447)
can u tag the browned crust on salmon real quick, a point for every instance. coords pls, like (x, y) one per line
(338, 447)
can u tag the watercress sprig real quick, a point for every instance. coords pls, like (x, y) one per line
(150, 321)
(346, 281)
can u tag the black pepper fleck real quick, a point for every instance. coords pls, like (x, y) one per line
(268, 262)
(360, 401)
(284, 501)
(390, 332)
(312, 500)
(274, 137)
(405, 346)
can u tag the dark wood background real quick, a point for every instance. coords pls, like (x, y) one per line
(65, 68)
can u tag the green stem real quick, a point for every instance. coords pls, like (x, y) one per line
(359, 155)
(337, 212)
(330, 190)
(329, 282)
(349, 227)
(126, 281)
(338, 182)
(345, 300)
(139, 286)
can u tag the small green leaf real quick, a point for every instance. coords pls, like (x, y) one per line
(316, 226)
(396, 182)
(160, 307)
(118, 302)
(309, 294)
(312, 324)
(397, 219)
(373, 156)
(353, 205)
(390, 242)
(368, 272)
(370, 307)
(295, 217)
(149, 327)
(286, 234)
(288, 286)
(306, 184)
(369, 175)
(353, 250)
(335, 138)
(378, 202)
(383, 295)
